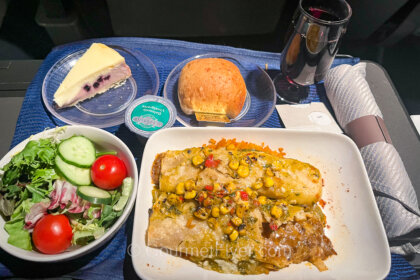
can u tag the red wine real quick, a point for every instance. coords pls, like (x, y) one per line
(322, 14)
(312, 47)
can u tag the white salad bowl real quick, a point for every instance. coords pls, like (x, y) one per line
(105, 141)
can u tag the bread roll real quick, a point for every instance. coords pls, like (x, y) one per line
(211, 85)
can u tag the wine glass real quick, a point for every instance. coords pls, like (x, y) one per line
(315, 34)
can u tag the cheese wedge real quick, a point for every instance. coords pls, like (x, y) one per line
(99, 69)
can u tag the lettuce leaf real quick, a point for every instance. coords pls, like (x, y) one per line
(30, 173)
(83, 234)
(18, 236)
(37, 154)
(108, 216)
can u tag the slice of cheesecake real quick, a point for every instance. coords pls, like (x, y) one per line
(99, 69)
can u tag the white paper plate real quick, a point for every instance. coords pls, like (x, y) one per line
(355, 226)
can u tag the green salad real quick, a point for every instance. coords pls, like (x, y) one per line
(60, 193)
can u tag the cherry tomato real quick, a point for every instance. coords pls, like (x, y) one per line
(52, 234)
(108, 172)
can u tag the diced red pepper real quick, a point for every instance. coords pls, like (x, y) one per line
(211, 162)
(273, 226)
(209, 188)
(181, 199)
(232, 211)
(200, 198)
(244, 195)
(220, 193)
(207, 202)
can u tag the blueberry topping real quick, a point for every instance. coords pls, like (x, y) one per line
(107, 77)
(95, 84)
(86, 87)
(99, 80)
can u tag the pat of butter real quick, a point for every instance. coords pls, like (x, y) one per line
(209, 117)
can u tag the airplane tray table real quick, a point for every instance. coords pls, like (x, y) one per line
(112, 261)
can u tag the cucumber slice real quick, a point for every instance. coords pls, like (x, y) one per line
(127, 186)
(99, 154)
(94, 195)
(75, 175)
(78, 151)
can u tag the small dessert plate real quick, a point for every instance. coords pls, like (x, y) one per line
(108, 108)
(260, 98)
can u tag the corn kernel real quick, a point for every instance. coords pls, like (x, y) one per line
(240, 210)
(268, 182)
(249, 191)
(243, 171)
(208, 201)
(212, 223)
(231, 147)
(276, 212)
(217, 187)
(234, 235)
(202, 195)
(281, 202)
(190, 194)
(277, 165)
(237, 196)
(254, 195)
(189, 185)
(180, 188)
(242, 230)
(224, 210)
(236, 221)
(228, 230)
(231, 187)
(207, 151)
(262, 200)
(269, 172)
(244, 204)
(257, 185)
(215, 211)
(234, 164)
(202, 213)
(197, 160)
(173, 199)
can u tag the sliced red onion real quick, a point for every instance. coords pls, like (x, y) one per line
(37, 211)
(65, 194)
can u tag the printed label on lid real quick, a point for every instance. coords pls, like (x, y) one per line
(150, 116)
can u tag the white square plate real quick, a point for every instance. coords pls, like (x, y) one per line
(354, 224)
